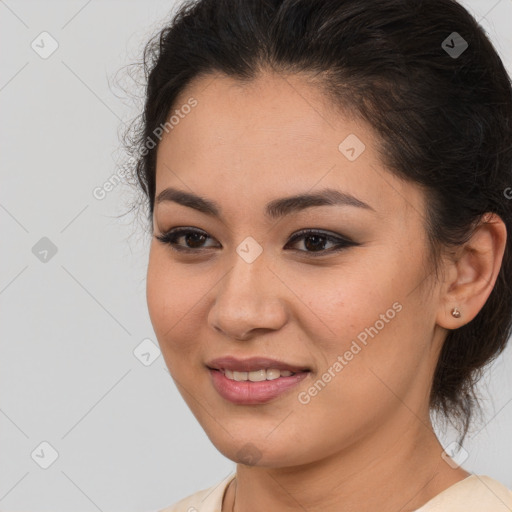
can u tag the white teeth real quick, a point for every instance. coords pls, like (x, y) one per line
(257, 375)
(272, 374)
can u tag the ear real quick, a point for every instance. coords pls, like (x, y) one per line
(471, 274)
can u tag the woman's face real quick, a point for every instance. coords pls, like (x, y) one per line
(359, 318)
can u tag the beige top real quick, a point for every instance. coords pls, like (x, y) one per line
(476, 493)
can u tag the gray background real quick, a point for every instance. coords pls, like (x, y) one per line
(70, 324)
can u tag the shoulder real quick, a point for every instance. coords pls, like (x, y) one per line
(204, 500)
(473, 494)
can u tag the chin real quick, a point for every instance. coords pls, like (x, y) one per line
(258, 452)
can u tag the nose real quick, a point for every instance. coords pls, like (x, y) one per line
(248, 301)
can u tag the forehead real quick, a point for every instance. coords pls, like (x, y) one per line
(275, 133)
(262, 115)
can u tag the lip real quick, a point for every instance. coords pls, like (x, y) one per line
(252, 364)
(252, 393)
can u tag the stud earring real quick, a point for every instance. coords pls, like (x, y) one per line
(456, 312)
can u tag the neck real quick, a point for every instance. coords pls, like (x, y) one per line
(395, 470)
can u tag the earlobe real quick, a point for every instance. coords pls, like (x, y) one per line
(473, 273)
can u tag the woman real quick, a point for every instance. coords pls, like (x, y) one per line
(326, 184)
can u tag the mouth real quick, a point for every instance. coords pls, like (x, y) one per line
(256, 380)
(256, 375)
(255, 368)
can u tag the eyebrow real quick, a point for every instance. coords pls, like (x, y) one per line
(274, 209)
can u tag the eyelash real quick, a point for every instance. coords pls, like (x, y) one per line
(170, 237)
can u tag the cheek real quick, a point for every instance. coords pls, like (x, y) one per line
(384, 360)
(336, 304)
(370, 320)
(173, 298)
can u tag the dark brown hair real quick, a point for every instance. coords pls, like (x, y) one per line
(443, 117)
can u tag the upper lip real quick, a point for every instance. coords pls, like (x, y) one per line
(251, 364)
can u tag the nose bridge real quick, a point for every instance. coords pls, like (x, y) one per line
(245, 282)
(246, 298)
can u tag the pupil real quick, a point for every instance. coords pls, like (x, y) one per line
(318, 244)
(196, 235)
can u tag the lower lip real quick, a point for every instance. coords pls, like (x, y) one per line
(248, 392)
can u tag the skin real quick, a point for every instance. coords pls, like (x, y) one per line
(365, 442)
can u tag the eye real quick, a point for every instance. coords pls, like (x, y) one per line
(314, 241)
(195, 237)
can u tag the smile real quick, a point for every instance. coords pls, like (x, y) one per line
(257, 375)
(254, 387)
